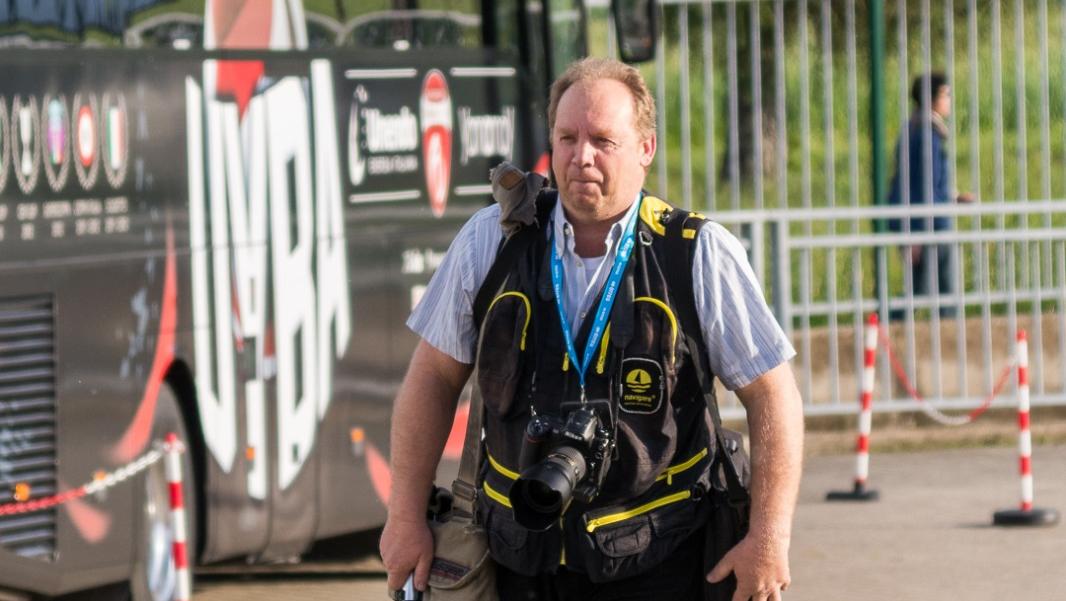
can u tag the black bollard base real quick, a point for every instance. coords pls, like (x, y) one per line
(1036, 516)
(859, 493)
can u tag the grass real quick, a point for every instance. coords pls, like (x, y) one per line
(829, 152)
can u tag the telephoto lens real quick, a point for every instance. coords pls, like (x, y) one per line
(542, 492)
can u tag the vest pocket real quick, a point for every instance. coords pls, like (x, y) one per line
(522, 551)
(649, 370)
(499, 360)
(628, 540)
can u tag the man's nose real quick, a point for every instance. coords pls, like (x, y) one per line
(584, 153)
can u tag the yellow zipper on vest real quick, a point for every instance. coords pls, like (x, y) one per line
(673, 470)
(614, 518)
(525, 300)
(562, 543)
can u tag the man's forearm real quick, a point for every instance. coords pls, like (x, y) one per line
(421, 420)
(775, 421)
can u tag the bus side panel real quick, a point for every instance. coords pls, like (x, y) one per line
(82, 239)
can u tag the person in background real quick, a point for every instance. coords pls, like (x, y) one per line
(918, 182)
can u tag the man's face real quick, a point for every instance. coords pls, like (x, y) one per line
(942, 101)
(598, 157)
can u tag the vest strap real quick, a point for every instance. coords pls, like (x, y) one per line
(511, 249)
(679, 277)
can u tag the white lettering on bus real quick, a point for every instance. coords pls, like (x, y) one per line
(486, 135)
(272, 199)
(390, 132)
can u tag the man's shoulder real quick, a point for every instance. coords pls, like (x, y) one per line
(482, 230)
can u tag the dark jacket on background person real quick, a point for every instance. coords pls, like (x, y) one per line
(914, 133)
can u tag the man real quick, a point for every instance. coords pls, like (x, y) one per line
(636, 539)
(921, 160)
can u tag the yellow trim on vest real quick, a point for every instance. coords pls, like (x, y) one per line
(614, 518)
(495, 495)
(651, 210)
(669, 313)
(502, 470)
(566, 361)
(525, 300)
(674, 470)
(688, 233)
(601, 362)
(562, 546)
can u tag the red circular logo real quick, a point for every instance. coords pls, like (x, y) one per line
(435, 108)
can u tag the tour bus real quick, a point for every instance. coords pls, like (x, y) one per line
(215, 217)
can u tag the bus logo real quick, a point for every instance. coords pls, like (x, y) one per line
(115, 139)
(56, 164)
(26, 134)
(435, 109)
(86, 165)
(5, 143)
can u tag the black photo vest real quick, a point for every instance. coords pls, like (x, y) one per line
(642, 373)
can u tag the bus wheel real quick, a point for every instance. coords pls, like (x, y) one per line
(155, 576)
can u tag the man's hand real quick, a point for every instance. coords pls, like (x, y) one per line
(965, 197)
(406, 546)
(761, 566)
(421, 420)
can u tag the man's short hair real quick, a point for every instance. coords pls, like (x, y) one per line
(936, 81)
(592, 69)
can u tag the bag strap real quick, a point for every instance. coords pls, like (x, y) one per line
(682, 228)
(509, 252)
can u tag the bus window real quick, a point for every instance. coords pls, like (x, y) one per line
(566, 28)
(424, 24)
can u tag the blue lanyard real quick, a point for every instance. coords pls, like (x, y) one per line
(610, 291)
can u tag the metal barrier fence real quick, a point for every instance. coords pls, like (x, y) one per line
(771, 116)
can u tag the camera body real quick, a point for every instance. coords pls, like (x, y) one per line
(563, 457)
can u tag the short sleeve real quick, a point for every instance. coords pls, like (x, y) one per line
(444, 317)
(742, 336)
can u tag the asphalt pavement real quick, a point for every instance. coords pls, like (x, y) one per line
(929, 537)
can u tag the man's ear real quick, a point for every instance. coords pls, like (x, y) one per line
(647, 150)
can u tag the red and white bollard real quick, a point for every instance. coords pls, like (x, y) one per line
(866, 398)
(1026, 515)
(174, 448)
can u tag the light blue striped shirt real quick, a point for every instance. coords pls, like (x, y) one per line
(743, 339)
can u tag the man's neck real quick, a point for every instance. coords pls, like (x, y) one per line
(590, 233)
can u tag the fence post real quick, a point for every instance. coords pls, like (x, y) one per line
(782, 274)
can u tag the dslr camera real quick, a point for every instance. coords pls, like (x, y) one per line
(563, 457)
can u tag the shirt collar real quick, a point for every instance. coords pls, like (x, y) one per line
(564, 231)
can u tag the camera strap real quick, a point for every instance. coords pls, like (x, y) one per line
(603, 311)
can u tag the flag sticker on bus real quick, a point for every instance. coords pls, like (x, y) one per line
(115, 139)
